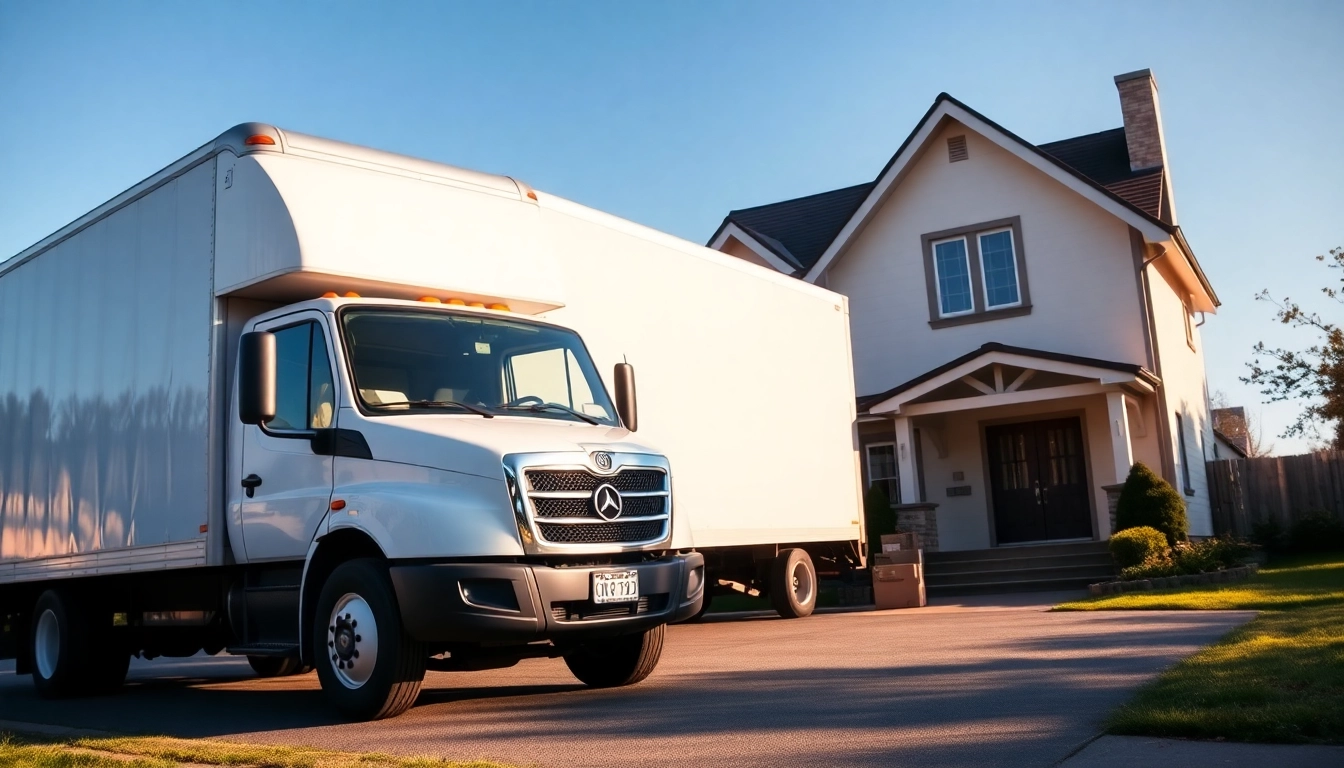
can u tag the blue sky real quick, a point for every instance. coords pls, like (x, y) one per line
(671, 114)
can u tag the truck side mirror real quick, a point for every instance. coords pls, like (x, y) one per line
(256, 377)
(626, 407)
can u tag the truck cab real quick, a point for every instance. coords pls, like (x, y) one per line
(461, 491)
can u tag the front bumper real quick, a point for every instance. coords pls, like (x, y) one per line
(523, 602)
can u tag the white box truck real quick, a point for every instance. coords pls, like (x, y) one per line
(328, 407)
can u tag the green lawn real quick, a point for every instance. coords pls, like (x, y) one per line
(1280, 678)
(159, 752)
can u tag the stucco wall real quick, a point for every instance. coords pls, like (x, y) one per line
(1078, 263)
(1183, 376)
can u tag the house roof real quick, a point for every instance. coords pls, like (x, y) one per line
(799, 230)
(866, 401)
(824, 216)
(1103, 157)
(1232, 443)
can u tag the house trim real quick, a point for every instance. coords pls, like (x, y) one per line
(979, 312)
(748, 238)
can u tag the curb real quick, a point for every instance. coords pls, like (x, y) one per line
(1226, 576)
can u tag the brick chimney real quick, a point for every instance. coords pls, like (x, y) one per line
(1143, 120)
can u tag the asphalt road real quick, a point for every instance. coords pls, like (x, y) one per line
(995, 682)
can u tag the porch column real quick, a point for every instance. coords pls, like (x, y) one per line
(905, 459)
(1121, 448)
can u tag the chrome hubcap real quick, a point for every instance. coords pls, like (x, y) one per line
(47, 644)
(803, 585)
(352, 641)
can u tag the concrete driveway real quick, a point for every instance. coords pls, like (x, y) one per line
(998, 682)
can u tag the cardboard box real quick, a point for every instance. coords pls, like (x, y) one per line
(899, 548)
(893, 542)
(898, 586)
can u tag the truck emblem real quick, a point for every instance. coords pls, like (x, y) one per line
(602, 460)
(607, 502)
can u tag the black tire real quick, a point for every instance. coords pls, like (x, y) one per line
(392, 684)
(58, 641)
(617, 661)
(275, 666)
(793, 584)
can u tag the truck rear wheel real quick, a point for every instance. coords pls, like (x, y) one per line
(59, 643)
(617, 661)
(369, 667)
(793, 584)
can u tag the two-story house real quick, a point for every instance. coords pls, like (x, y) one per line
(1024, 318)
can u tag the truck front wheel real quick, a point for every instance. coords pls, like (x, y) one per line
(368, 665)
(617, 661)
(793, 584)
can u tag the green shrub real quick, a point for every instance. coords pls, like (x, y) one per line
(1149, 500)
(878, 517)
(1155, 567)
(1317, 532)
(1134, 546)
(1270, 536)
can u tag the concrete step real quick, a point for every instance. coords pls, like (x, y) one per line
(1008, 587)
(1033, 550)
(1006, 563)
(1090, 574)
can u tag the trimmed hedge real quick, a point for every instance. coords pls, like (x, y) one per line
(1148, 500)
(1134, 546)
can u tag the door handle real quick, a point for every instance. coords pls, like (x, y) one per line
(250, 483)
(1039, 500)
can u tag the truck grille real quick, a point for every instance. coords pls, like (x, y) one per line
(603, 533)
(629, 480)
(561, 510)
(585, 610)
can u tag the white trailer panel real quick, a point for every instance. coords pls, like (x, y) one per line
(105, 376)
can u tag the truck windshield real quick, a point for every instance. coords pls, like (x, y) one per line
(404, 360)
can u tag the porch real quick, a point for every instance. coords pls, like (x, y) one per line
(1010, 447)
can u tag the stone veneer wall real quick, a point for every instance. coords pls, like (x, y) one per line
(1112, 501)
(919, 518)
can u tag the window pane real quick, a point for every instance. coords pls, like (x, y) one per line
(882, 471)
(954, 277)
(996, 253)
(291, 377)
(321, 391)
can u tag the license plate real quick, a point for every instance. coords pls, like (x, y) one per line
(615, 587)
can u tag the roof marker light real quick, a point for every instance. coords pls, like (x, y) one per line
(259, 138)
(351, 295)
(457, 302)
(501, 307)
(477, 304)
(430, 299)
(532, 194)
(329, 295)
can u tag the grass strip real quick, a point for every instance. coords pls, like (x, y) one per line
(161, 752)
(1278, 679)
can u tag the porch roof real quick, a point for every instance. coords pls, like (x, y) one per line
(1000, 374)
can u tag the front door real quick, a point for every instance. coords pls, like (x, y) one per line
(1038, 481)
(290, 485)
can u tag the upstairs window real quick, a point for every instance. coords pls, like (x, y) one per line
(976, 273)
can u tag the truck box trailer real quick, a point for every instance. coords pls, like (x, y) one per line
(329, 407)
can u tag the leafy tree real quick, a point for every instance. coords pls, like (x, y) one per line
(1239, 426)
(1314, 375)
(1149, 500)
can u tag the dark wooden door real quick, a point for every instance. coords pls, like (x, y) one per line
(1038, 481)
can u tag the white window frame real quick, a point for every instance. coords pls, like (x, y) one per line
(984, 281)
(938, 278)
(892, 499)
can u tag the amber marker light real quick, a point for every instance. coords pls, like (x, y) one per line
(457, 302)
(351, 295)
(330, 295)
(477, 304)
(500, 307)
(337, 504)
(259, 139)
(430, 299)
(532, 194)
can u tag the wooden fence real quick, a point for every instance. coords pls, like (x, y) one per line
(1245, 492)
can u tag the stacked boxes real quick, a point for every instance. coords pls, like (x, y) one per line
(898, 572)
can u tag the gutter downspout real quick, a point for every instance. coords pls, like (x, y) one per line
(1165, 450)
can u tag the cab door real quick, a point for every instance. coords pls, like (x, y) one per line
(286, 486)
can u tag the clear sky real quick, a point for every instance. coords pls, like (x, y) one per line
(673, 113)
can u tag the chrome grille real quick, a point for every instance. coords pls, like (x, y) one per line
(555, 506)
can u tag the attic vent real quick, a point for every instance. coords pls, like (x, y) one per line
(956, 149)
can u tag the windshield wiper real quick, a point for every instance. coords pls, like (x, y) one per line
(436, 404)
(549, 406)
